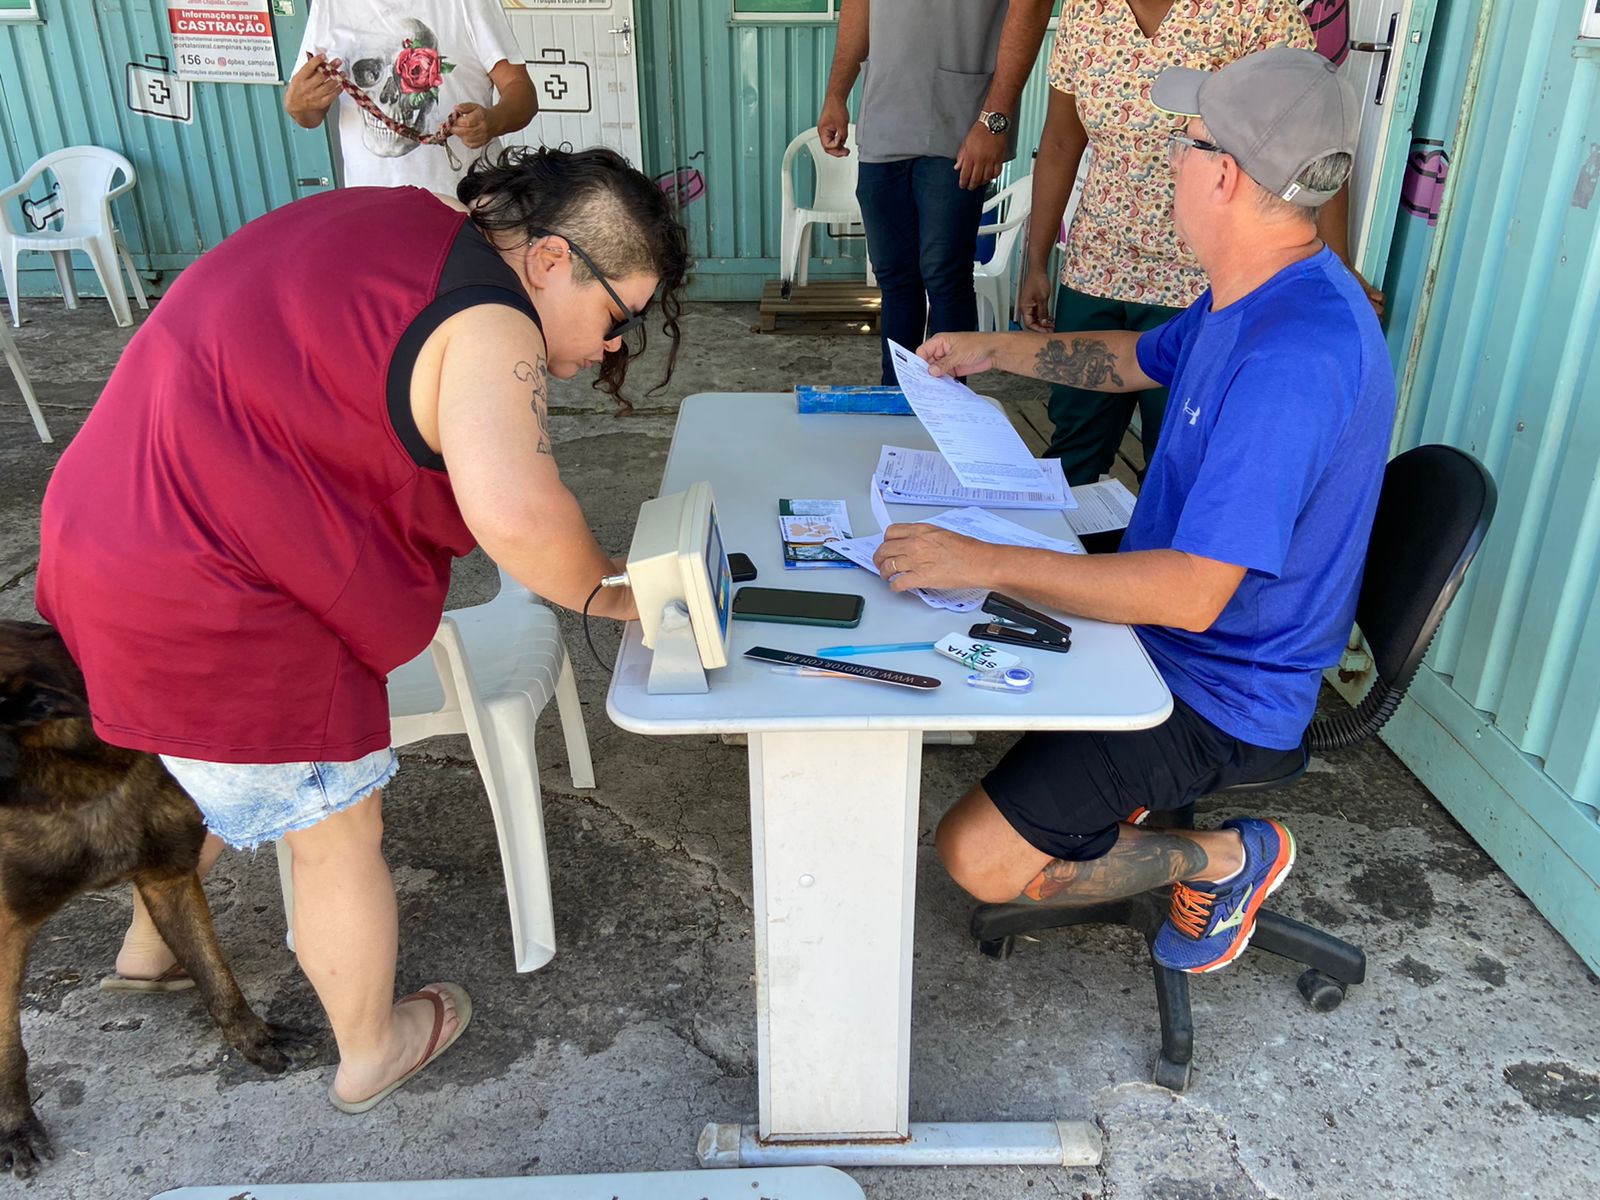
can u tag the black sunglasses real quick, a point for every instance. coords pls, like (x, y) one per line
(1180, 138)
(630, 320)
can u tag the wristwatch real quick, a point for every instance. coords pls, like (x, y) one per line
(994, 122)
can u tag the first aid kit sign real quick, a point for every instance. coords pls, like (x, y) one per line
(226, 41)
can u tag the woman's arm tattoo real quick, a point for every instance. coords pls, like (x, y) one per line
(1089, 364)
(533, 375)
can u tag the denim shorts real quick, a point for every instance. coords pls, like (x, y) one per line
(246, 804)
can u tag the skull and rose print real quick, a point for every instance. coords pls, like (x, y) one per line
(404, 69)
(403, 85)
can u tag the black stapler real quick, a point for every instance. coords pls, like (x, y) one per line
(1015, 624)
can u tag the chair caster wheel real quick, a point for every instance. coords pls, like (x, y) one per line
(1323, 992)
(1170, 1075)
(997, 948)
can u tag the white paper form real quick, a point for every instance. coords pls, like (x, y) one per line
(983, 449)
(907, 476)
(1102, 507)
(986, 527)
(860, 551)
(880, 510)
(973, 523)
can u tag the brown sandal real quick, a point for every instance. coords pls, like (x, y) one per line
(173, 979)
(434, 1048)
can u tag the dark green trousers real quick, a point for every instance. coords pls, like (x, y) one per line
(1089, 425)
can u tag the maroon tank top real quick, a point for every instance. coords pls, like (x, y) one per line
(249, 533)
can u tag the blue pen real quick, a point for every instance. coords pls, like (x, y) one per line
(885, 648)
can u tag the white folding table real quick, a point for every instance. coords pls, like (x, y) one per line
(835, 769)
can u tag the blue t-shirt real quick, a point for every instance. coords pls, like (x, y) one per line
(1270, 458)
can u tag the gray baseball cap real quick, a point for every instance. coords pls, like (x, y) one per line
(1276, 111)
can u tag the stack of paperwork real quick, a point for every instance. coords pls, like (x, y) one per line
(906, 476)
(981, 464)
(984, 461)
(973, 523)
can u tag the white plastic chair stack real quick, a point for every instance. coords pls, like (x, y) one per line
(1069, 212)
(82, 220)
(488, 673)
(993, 279)
(832, 203)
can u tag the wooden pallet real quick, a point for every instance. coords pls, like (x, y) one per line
(827, 300)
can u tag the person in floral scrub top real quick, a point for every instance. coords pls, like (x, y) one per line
(1125, 267)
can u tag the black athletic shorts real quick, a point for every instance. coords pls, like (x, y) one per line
(1067, 793)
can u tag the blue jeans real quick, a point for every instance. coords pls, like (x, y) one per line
(922, 235)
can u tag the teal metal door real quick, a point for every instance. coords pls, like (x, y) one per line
(1383, 58)
(310, 151)
(209, 156)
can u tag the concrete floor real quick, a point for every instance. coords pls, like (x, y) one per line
(1467, 1065)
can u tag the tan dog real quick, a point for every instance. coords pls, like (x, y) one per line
(76, 813)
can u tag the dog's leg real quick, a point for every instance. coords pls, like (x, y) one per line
(178, 907)
(23, 1141)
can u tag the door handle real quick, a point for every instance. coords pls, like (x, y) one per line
(626, 30)
(312, 181)
(1385, 48)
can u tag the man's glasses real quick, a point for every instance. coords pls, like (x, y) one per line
(630, 320)
(1179, 140)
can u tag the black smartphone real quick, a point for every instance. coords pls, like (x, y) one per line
(741, 567)
(787, 606)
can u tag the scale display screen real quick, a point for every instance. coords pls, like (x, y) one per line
(720, 574)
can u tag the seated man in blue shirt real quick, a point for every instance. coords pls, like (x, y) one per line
(1241, 564)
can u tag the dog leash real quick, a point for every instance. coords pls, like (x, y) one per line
(439, 137)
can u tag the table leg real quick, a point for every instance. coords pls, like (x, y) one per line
(834, 830)
(833, 824)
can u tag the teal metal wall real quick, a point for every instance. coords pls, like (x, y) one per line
(717, 96)
(66, 84)
(724, 97)
(1505, 728)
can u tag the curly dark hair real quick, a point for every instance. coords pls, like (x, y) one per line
(623, 221)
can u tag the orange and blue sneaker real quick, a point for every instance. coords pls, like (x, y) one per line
(1210, 923)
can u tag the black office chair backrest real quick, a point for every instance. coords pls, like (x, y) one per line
(1433, 512)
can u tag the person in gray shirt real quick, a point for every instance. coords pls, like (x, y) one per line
(937, 123)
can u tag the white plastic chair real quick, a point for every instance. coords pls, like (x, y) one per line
(832, 203)
(488, 673)
(1071, 210)
(14, 360)
(993, 279)
(84, 177)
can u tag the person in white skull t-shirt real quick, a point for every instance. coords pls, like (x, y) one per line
(422, 62)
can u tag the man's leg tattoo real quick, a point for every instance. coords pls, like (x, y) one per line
(1141, 860)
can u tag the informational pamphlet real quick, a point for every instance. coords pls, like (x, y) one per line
(809, 528)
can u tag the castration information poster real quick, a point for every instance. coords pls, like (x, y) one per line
(227, 41)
